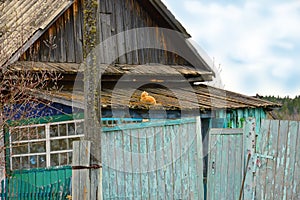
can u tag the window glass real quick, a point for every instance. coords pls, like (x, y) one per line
(62, 130)
(71, 129)
(53, 131)
(42, 161)
(37, 147)
(41, 132)
(59, 144)
(16, 163)
(20, 148)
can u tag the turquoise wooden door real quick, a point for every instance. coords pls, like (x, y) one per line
(225, 164)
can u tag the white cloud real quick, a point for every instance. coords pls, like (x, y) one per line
(255, 41)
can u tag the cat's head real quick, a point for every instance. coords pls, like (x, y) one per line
(144, 94)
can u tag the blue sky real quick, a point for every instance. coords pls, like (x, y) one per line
(255, 42)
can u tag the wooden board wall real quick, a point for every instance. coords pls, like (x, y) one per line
(62, 42)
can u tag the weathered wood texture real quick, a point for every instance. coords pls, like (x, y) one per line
(116, 16)
(278, 178)
(153, 160)
(63, 41)
(249, 143)
(80, 177)
(224, 178)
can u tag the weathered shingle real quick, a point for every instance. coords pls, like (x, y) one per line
(201, 97)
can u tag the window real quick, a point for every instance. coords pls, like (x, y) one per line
(44, 145)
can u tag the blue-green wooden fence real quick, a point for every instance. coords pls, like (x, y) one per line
(153, 160)
(149, 160)
(273, 170)
(277, 173)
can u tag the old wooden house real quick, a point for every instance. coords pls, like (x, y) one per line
(141, 47)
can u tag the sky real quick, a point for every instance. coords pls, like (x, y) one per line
(254, 44)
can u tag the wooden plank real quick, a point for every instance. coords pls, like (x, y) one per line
(61, 40)
(218, 167)
(137, 18)
(224, 166)
(118, 15)
(120, 168)
(127, 26)
(168, 149)
(105, 167)
(249, 148)
(198, 161)
(128, 167)
(69, 36)
(296, 180)
(101, 47)
(194, 177)
(102, 6)
(238, 164)
(211, 174)
(78, 31)
(136, 164)
(109, 6)
(227, 131)
(148, 124)
(290, 160)
(281, 159)
(80, 178)
(133, 38)
(159, 140)
(112, 164)
(177, 165)
(231, 170)
(153, 187)
(105, 30)
(271, 164)
(184, 136)
(143, 135)
(148, 35)
(262, 148)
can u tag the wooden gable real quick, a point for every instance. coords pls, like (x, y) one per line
(62, 42)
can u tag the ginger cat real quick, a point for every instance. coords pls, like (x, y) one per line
(146, 98)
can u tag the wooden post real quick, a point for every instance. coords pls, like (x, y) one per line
(250, 163)
(92, 88)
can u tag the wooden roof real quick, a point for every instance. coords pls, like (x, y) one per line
(201, 97)
(22, 22)
(115, 71)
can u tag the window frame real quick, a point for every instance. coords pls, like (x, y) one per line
(48, 139)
